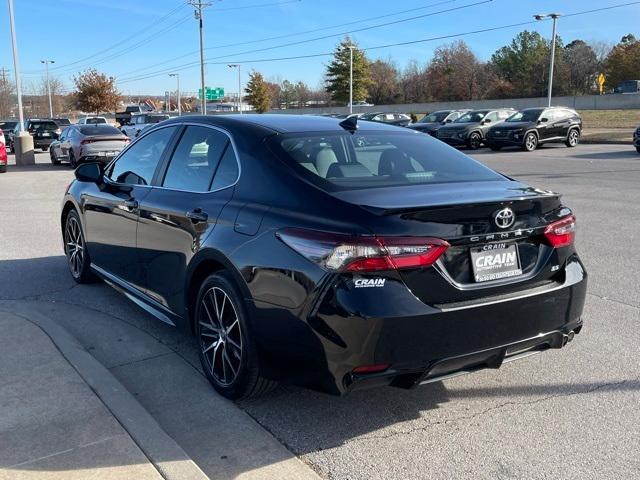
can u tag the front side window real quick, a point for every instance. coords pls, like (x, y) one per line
(138, 163)
(195, 159)
(525, 116)
(493, 116)
(341, 161)
(435, 117)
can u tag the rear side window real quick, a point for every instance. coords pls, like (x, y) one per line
(43, 126)
(138, 163)
(228, 171)
(195, 159)
(341, 161)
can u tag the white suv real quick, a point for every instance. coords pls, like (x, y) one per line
(141, 121)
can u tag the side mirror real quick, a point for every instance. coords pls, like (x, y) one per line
(448, 120)
(89, 172)
(543, 120)
(486, 120)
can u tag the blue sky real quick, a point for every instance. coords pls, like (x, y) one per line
(79, 34)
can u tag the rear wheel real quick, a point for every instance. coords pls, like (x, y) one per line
(530, 142)
(572, 138)
(76, 249)
(72, 159)
(475, 141)
(227, 350)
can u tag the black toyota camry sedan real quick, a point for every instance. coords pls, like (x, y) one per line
(329, 253)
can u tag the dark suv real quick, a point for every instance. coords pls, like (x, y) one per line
(432, 122)
(470, 129)
(531, 127)
(43, 132)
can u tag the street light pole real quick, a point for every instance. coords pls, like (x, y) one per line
(177, 75)
(554, 17)
(200, 4)
(46, 68)
(16, 64)
(237, 65)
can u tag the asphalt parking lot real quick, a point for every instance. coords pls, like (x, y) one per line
(566, 414)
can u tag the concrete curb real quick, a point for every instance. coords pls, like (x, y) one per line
(171, 461)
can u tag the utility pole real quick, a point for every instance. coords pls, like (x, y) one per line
(554, 17)
(177, 75)
(237, 65)
(46, 66)
(199, 5)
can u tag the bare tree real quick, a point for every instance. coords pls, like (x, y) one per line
(6, 96)
(453, 73)
(385, 86)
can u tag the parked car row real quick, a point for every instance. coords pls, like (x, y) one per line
(494, 128)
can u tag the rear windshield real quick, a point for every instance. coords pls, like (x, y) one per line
(8, 125)
(39, 126)
(62, 121)
(99, 130)
(341, 161)
(156, 118)
(94, 121)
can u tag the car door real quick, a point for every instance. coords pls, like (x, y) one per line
(545, 127)
(561, 123)
(176, 216)
(489, 120)
(111, 210)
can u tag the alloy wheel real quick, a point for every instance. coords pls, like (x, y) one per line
(475, 141)
(220, 336)
(531, 142)
(74, 246)
(573, 138)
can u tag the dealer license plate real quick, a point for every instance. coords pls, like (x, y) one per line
(495, 261)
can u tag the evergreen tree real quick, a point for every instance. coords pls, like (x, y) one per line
(258, 92)
(337, 77)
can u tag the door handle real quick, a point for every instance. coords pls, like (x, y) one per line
(197, 215)
(130, 205)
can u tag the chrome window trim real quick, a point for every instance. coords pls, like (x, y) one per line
(180, 124)
(235, 152)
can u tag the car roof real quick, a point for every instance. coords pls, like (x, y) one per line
(278, 123)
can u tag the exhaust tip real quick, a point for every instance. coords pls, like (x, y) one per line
(570, 336)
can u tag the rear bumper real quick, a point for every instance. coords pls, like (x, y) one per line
(42, 142)
(422, 343)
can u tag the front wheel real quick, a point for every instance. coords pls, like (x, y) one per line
(530, 142)
(227, 351)
(54, 159)
(573, 138)
(475, 141)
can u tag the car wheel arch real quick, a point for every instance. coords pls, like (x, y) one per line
(205, 263)
(68, 206)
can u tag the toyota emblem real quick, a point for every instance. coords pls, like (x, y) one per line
(505, 218)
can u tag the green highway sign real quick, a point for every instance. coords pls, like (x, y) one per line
(212, 93)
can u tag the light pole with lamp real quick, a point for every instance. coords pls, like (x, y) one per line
(177, 75)
(237, 65)
(350, 47)
(554, 17)
(46, 67)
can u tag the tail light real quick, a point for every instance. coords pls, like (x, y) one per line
(561, 233)
(366, 369)
(84, 142)
(348, 253)
(3, 154)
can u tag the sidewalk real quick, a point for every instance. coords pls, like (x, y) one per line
(51, 424)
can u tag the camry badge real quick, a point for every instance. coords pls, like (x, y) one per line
(505, 218)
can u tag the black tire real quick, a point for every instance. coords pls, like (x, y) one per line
(475, 141)
(223, 335)
(72, 160)
(530, 142)
(3, 168)
(54, 159)
(638, 149)
(573, 138)
(75, 249)
(44, 149)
